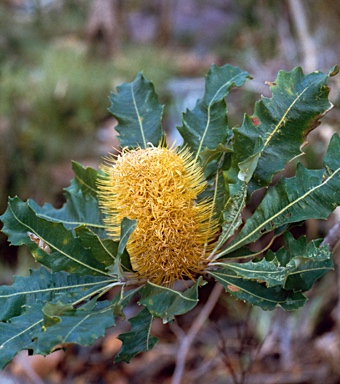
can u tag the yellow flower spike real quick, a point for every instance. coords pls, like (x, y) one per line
(158, 186)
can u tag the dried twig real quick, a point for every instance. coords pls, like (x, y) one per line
(333, 241)
(305, 40)
(333, 236)
(26, 366)
(187, 340)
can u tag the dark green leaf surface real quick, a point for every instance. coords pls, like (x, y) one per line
(231, 214)
(269, 272)
(308, 262)
(216, 187)
(309, 194)
(103, 250)
(82, 326)
(126, 228)
(18, 333)
(246, 253)
(208, 155)
(44, 286)
(136, 107)
(216, 191)
(122, 299)
(50, 242)
(81, 207)
(257, 293)
(206, 126)
(166, 303)
(85, 180)
(78, 210)
(301, 266)
(281, 123)
(139, 339)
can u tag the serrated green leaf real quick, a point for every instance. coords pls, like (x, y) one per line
(103, 250)
(82, 326)
(138, 339)
(18, 333)
(308, 262)
(269, 272)
(136, 107)
(44, 286)
(78, 210)
(305, 271)
(81, 207)
(281, 123)
(295, 267)
(50, 243)
(122, 299)
(167, 303)
(218, 196)
(246, 253)
(85, 180)
(207, 155)
(247, 167)
(53, 311)
(206, 126)
(45, 310)
(257, 293)
(126, 228)
(309, 194)
(215, 190)
(231, 214)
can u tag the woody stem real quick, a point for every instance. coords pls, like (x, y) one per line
(188, 339)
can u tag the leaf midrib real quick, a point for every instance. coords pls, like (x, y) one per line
(242, 240)
(138, 116)
(65, 287)
(277, 127)
(231, 81)
(57, 249)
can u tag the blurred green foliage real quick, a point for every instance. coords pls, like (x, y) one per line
(53, 90)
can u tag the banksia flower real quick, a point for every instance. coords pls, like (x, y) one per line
(158, 187)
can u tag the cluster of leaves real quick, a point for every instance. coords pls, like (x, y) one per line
(61, 302)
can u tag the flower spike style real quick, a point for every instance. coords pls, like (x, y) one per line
(158, 187)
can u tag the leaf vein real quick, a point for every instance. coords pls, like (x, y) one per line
(79, 223)
(57, 249)
(244, 290)
(231, 81)
(138, 116)
(86, 185)
(235, 245)
(176, 292)
(21, 333)
(284, 116)
(56, 289)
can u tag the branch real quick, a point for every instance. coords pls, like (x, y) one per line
(305, 40)
(333, 236)
(194, 329)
